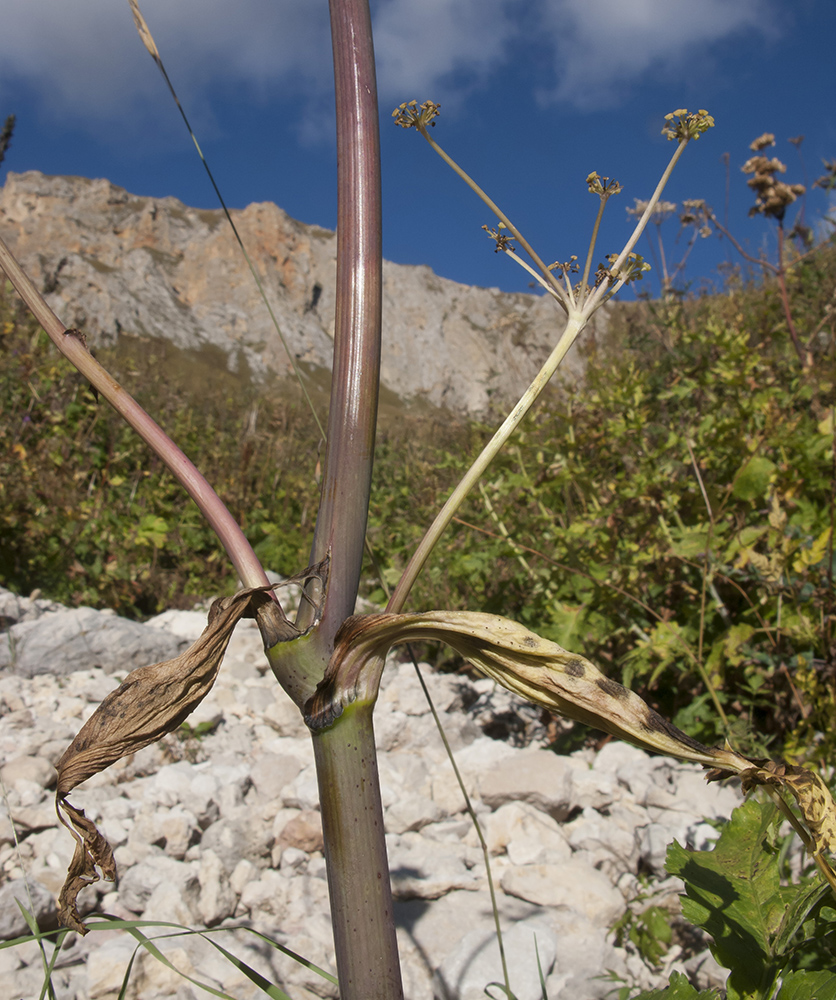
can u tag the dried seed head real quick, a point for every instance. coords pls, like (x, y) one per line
(772, 196)
(604, 187)
(503, 240)
(567, 267)
(661, 210)
(762, 142)
(695, 212)
(144, 31)
(410, 115)
(827, 181)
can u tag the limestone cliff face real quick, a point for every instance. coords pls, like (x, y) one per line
(118, 265)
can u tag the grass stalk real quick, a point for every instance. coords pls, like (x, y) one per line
(486, 854)
(150, 45)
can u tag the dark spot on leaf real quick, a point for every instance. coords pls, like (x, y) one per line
(575, 668)
(657, 724)
(612, 688)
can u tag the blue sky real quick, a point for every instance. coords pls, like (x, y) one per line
(535, 95)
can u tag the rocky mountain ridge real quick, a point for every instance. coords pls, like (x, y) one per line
(118, 265)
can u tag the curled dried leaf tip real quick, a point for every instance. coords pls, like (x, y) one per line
(150, 702)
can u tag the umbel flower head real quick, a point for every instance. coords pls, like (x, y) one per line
(695, 212)
(502, 239)
(682, 125)
(602, 186)
(410, 115)
(662, 210)
(762, 142)
(633, 268)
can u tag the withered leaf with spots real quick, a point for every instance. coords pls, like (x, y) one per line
(149, 703)
(814, 801)
(534, 668)
(565, 683)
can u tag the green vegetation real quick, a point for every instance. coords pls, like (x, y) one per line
(766, 932)
(671, 517)
(89, 515)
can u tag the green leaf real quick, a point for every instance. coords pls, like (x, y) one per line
(678, 989)
(734, 893)
(808, 986)
(807, 897)
(691, 542)
(752, 478)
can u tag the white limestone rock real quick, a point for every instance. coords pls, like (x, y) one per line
(475, 962)
(35, 897)
(426, 869)
(539, 777)
(81, 638)
(119, 265)
(572, 884)
(33, 769)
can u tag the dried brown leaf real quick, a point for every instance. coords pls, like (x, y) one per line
(534, 668)
(149, 703)
(815, 803)
(152, 700)
(92, 852)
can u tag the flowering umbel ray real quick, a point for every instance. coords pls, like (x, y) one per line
(534, 668)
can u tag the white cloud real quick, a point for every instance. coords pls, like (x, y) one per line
(421, 46)
(601, 45)
(83, 59)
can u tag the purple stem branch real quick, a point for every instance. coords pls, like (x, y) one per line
(71, 344)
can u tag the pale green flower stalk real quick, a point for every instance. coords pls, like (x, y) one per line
(579, 302)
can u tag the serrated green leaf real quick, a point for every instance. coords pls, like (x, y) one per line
(734, 893)
(678, 989)
(808, 986)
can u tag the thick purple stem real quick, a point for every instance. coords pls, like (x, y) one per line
(341, 523)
